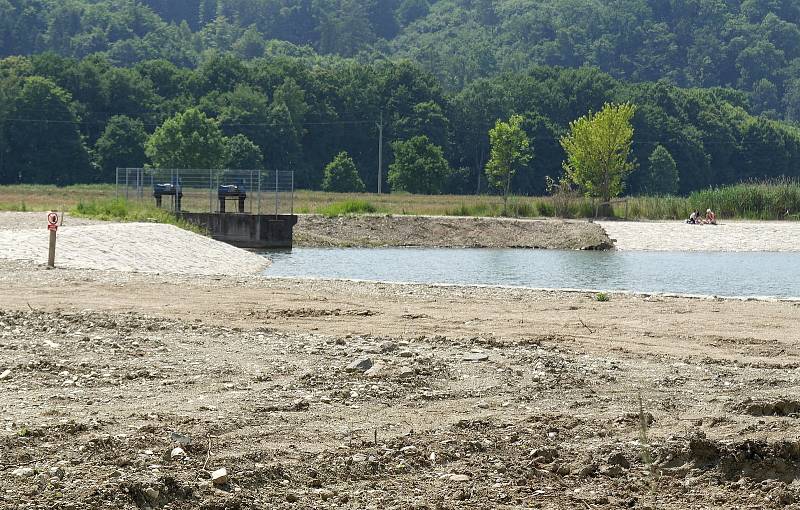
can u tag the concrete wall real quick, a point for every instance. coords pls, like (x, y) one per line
(247, 230)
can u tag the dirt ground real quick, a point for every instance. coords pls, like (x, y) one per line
(448, 231)
(474, 397)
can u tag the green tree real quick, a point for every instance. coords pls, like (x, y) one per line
(341, 175)
(662, 173)
(187, 140)
(120, 146)
(597, 147)
(43, 140)
(411, 10)
(510, 150)
(242, 154)
(418, 167)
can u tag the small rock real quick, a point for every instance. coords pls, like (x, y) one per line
(23, 472)
(177, 453)
(292, 497)
(57, 472)
(459, 478)
(406, 354)
(476, 357)
(360, 365)
(406, 373)
(220, 476)
(180, 439)
(152, 494)
(5, 375)
(325, 494)
(618, 459)
(387, 347)
(408, 450)
(359, 458)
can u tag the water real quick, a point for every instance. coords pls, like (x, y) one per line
(708, 273)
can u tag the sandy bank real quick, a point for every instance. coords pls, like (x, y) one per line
(448, 232)
(136, 247)
(727, 236)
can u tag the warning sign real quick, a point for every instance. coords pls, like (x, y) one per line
(52, 218)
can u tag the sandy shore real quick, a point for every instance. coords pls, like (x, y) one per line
(727, 236)
(137, 247)
(474, 397)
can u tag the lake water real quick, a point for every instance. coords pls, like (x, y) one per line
(708, 273)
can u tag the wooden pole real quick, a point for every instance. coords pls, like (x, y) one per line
(51, 255)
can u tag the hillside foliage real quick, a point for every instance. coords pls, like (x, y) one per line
(715, 83)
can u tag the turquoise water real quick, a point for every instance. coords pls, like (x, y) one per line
(708, 273)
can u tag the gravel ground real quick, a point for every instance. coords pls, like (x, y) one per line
(125, 390)
(448, 232)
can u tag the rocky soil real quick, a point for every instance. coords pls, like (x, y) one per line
(309, 394)
(449, 232)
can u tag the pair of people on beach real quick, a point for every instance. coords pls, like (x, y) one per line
(696, 219)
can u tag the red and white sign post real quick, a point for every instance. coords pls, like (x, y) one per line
(52, 226)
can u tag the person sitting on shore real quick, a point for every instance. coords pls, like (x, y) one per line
(711, 218)
(694, 218)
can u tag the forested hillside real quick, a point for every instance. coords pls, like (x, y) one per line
(716, 83)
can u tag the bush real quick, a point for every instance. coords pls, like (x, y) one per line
(341, 175)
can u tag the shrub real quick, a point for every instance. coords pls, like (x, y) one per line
(341, 175)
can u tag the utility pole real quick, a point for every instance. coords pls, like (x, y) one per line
(380, 153)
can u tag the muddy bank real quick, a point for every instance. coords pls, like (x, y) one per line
(448, 232)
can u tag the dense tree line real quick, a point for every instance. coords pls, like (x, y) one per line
(749, 45)
(65, 120)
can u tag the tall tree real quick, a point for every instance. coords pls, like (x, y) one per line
(662, 173)
(510, 150)
(598, 146)
(418, 167)
(120, 146)
(188, 140)
(242, 154)
(44, 143)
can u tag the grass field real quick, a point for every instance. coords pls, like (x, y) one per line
(762, 201)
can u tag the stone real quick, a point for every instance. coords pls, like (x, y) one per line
(5, 375)
(177, 454)
(292, 497)
(459, 478)
(57, 472)
(180, 439)
(618, 459)
(476, 357)
(387, 347)
(376, 371)
(24, 472)
(152, 494)
(360, 365)
(406, 373)
(326, 494)
(219, 477)
(359, 458)
(406, 354)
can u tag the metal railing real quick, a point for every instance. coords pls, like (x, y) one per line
(215, 191)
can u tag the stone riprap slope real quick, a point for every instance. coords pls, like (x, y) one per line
(136, 247)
